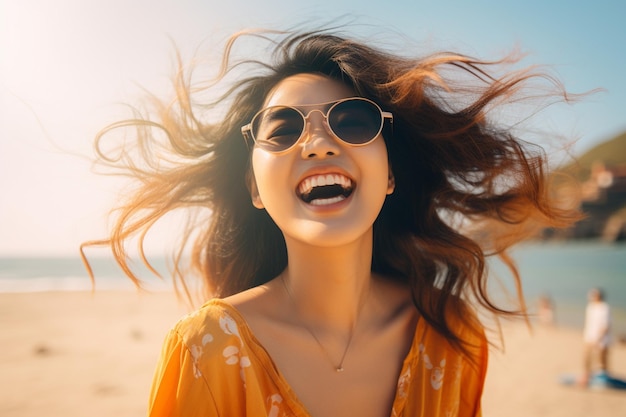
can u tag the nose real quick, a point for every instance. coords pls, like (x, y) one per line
(319, 142)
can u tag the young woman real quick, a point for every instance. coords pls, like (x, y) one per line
(352, 197)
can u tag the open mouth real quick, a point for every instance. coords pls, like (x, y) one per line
(320, 190)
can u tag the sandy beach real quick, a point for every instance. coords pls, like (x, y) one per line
(80, 354)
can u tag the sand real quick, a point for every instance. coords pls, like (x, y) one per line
(77, 354)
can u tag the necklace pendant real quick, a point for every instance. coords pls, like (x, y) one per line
(339, 368)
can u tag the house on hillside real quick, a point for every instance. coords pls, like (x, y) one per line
(603, 198)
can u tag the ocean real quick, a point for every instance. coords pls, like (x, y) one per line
(563, 271)
(39, 274)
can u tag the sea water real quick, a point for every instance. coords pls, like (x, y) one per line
(40, 274)
(563, 271)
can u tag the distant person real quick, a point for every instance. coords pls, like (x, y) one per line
(545, 310)
(596, 334)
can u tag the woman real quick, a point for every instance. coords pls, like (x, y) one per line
(339, 185)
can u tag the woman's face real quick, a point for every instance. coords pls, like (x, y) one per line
(322, 191)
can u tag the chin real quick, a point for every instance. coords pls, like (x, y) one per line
(325, 235)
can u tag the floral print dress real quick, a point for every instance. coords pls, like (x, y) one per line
(212, 365)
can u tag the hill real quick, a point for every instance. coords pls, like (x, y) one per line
(612, 153)
(601, 172)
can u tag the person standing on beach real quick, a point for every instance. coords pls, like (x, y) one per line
(545, 310)
(329, 188)
(596, 334)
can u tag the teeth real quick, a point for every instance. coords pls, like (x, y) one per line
(309, 183)
(327, 201)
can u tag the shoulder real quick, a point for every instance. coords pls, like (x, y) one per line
(215, 337)
(459, 315)
(469, 351)
(216, 323)
(468, 330)
(442, 378)
(202, 364)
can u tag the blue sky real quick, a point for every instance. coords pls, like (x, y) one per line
(66, 65)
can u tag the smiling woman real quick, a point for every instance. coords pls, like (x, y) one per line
(338, 282)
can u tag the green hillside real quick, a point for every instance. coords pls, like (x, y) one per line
(605, 208)
(612, 153)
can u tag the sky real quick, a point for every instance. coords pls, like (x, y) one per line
(68, 66)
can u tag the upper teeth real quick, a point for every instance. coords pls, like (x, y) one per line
(309, 183)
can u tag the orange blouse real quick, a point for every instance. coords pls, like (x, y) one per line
(212, 365)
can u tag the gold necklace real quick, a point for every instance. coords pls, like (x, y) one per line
(338, 368)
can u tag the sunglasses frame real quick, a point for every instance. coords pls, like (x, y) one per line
(326, 108)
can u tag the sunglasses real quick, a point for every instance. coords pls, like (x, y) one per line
(357, 121)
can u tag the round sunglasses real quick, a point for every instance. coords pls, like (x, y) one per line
(356, 121)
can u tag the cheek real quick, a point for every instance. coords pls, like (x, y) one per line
(376, 171)
(374, 180)
(270, 174)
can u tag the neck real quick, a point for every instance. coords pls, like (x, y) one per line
(329, 286)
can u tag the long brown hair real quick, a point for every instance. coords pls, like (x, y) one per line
(453, 165)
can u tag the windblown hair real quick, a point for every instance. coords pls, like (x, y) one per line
(466, 186)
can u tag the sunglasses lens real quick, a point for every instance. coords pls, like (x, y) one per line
(277, 128)
(355, 121)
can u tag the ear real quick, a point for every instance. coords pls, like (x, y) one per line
(254, 190)
(391, 182)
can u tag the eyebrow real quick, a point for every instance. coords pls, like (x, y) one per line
(279, 113)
